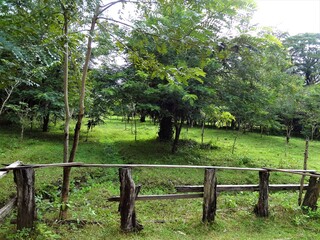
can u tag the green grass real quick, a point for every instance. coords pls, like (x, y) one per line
(179, 219)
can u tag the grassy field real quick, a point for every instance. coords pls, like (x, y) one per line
(114, 142)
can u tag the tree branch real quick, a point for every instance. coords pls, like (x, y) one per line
(113, 20)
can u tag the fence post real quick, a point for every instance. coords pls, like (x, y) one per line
(128, 194)
(26, 206)
(312, 194)
(262, 209)
(209, 195)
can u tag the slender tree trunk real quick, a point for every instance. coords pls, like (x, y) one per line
(46, 119)
(202, 131)
(67, 171)
(8, 92)
(22, 131)
(83, 87)
(288, 135)
(313, 130)
(306, 156)
(65, 183)
(135, 127)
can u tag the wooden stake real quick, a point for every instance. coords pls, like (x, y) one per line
(262, 209)
(24, 179)
(209, 196)
(128, 193)
(312, 194)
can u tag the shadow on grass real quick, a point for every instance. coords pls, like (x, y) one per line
(157, 152)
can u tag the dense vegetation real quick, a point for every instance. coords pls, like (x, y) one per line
(187, 66)
(111, 143)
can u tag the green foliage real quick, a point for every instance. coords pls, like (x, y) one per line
(305, 53)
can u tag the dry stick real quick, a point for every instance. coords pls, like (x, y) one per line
(306, 155)
(234, 142)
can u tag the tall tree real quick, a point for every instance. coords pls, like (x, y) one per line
(305, 55)
(174, 45)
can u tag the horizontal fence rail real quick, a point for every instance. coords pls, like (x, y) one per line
(309, 173)
(6, 210)
(4, 171)
(129, 191)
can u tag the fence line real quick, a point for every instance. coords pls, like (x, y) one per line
(309, 173)
(24, 179)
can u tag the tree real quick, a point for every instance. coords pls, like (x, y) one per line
(173, 46)
(309, 111)
(253, 68)
(305, 56)
(287, 104)
(22, 111)
(25, 54)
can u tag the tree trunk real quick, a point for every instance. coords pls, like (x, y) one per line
(288, 134)
(202, 131)
(8, 92)
(46, 119)
(178, 128)
(143, 117)
(22, 131)
(66, 172)
(166, 129)
(65, 182)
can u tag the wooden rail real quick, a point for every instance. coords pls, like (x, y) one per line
(6, 210)
(24, 179)
(80, 164)
(238, 188)
(4, 171)
(220, 188)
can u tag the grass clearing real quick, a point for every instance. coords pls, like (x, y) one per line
(179, 219)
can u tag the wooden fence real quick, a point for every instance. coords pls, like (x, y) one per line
(129, 191)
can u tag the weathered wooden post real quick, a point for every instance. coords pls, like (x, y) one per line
(312, 194)
(26, 206)
(128, 194)
(209, 195)
(262, 209)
